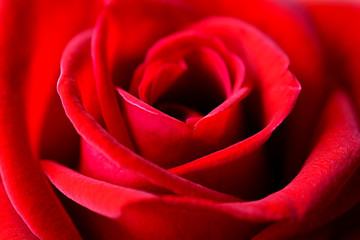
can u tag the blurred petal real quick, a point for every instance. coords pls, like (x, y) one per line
(133, 26)
(335, 24)
(11, 224)
(47, 43)
(26, 187)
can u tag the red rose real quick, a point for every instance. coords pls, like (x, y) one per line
(179, 120)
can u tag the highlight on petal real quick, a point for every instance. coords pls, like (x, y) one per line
(105, 89)
(93, 164)
(132, 208)
(100, 197)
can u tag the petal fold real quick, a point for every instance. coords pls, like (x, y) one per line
(97, 137)
(334, 160)
(100, 197)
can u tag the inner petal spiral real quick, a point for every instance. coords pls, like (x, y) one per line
(202, 87)
(183, 80)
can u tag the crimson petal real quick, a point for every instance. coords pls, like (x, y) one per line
(105, 88)
(101, 197)
(332, 162)
(98, 138)
(179, 140)
(11, 224)
(279, 88)
(29, 192)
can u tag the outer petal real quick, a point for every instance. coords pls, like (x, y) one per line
(95, 165)
(100, 197)
(27, 189)
(348, 197)
(50, 32)
(336, 25)
(137, 212)
(332, 163)
(184, 219)
(11, 224)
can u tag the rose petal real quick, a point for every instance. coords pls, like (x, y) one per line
(132, 208)
(204, 64)
(98, 138)
(346, 199)
(92, 225)
(140, 115)
(95, 165)
(33, 200)
(293, 31)
(177, 139)
(279, 89)
(184, 219)
(105, 89)
(334, 159)
(136, 210)
(100, 197)
(335, 25)
(133, 27)
(213, 62)
(157, 79)
(11, 224)
(182, 43)
(64, 136)
(47, 42)
(285, 23)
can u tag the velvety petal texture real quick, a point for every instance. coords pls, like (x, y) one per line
(174, 131)
(11, 224)
(179, 139)
(95, 135)
(325, 187)
(43, 108)
(335, 26)
(178, 119)
(27, 188)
